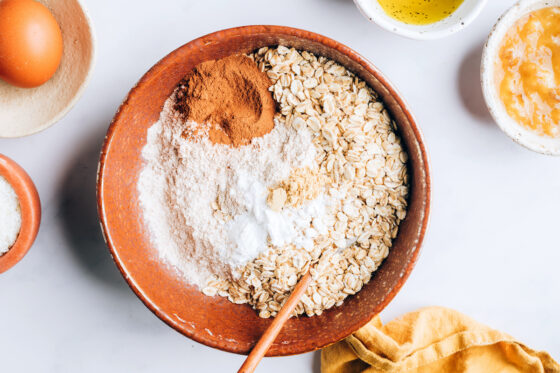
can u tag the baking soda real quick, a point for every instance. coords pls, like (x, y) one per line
(250, 231)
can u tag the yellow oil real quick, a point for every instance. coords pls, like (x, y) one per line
(419, 12)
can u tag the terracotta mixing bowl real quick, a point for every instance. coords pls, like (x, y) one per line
(215, 321)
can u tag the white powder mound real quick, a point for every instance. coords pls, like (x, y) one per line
(182, 179)
(10, 216)
(249, 231)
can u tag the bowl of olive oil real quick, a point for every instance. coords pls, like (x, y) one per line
(421, 19)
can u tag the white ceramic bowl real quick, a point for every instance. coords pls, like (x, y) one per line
(464, 15)
(517, 132)
(25, 111)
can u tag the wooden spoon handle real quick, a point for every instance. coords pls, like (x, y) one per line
(262, 346)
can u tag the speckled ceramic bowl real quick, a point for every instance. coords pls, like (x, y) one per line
(30, 211)
(25, 111)
(464, 15)
(520, 134)
(215, 321)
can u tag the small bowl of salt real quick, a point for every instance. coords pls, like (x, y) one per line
(20, 213)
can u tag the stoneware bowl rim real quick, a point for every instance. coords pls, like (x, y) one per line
(30, 206)
(461, 18)
(279, 32)
(81, 89)
(519, 134)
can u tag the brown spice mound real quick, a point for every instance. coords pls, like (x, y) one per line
(230, 96)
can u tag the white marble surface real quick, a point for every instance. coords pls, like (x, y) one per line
(492, 250)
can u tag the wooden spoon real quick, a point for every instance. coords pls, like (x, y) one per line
(270, 334)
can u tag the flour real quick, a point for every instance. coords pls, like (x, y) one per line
(10, 216)
(182, 179)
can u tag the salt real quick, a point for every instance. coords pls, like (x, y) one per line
(10, 216)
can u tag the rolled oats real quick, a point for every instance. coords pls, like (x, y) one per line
(361, 164)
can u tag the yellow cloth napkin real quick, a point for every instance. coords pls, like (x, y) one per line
(433, 339)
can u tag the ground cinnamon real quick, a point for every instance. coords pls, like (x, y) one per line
(231, 97)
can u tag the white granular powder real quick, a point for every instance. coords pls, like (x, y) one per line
(249, 231)
(10, 216)
(182, 179)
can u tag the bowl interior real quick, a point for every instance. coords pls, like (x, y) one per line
(520, 134)
(215, 321)
(465, 14)
(24, 111)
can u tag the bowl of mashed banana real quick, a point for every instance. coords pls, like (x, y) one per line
(520, 74)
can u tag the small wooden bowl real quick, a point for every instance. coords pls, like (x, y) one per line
(214, 321)
(30, 206)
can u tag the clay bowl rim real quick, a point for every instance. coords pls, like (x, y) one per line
(30, 206)
(329, 44)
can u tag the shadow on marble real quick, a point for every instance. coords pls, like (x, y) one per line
(78, 209)
(470, 89)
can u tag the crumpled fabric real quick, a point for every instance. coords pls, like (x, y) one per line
(433, 339)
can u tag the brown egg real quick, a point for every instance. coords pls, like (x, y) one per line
(30, 43)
